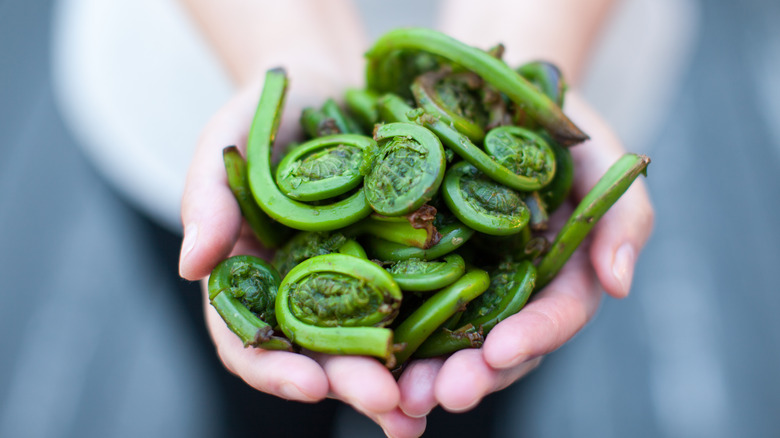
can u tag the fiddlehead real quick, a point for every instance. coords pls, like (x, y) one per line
(483, 204)
(539, 217)
(354, 249)
(437, 309)
(323, 168)
(493, 71)
(395, 70)
(362, 106)
(453, 235)
(316, 124)
(523, 152)
(292, 213)
(305, 245)
(417, 275)
(556, 192)
(270, 233)
(399, 229)
(345, 123)
(339, 304)
(406, 171)
(454, 98)
(243, 289)
(599, 199)
(547, 77)
(511, 284)
(328, 120)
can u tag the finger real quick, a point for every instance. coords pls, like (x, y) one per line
(623, 231)
(287, 375)
(619, 237)
(417, 387)
(396, 424)
(465, 379)
(360, 381)
(210, 214)
(554, 315)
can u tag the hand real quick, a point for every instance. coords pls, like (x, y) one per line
(214, 231)
(554, 315)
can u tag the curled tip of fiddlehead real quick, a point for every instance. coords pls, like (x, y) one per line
(324, 167)
(333, 299)
(306, 245)
(256, 288)
(243, 290)
(523, 152)
(455, 98)
(483, 204)
(407, 171)
(418, 275)
(339, 304)
(250, 280)
(328, 163)
(492, 198)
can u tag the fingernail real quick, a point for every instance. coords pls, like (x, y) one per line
(415, 415)
(292, 392)
(467, 407)
(512, 361)
(190, 237)
(502, 358)
(623, 267)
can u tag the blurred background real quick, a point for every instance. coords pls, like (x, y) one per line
(100, 337)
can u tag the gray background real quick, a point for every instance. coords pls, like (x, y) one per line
(100, 337)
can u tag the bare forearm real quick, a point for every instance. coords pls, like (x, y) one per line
(561, 31)
(310, 38)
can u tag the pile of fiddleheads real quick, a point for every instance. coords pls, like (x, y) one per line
(417, 240)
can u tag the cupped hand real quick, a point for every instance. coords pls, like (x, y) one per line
(214, 230)
(555, 314)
